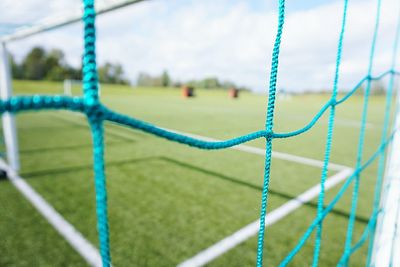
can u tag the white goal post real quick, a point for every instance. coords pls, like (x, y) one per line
(8, 119)
(386, 247)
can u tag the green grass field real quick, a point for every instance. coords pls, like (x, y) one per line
(168, 201)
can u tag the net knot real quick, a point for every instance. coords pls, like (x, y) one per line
(93, 109)
(268, 134)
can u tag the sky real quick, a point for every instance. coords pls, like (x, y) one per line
(230, 39)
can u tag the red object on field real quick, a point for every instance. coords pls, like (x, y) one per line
(187, 91)
(233, 93)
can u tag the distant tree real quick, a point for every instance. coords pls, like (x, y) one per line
(146, 80)
(55, 65)
(211, 82)
(111, 73)
(157, 81)
(377, 88)
(56, 73)
(143, 79)
(34, 64)
(227, 85)
(39, 65)
(104, 73)
(16, 69)
(72, 73)
(177, 84)
(165, 79)
(118, 73)
(192, 83)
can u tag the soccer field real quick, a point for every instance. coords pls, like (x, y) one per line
(168, 202)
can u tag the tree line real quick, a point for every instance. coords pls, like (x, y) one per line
(40, 64)
(165, 80)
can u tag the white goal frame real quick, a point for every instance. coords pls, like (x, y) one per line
(8, 119)
(386, 247)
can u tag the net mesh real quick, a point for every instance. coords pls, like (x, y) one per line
(97, 113)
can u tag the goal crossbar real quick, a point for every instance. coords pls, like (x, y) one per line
(61, 21)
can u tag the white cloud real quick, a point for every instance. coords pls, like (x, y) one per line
(28, 11)
(229, 39)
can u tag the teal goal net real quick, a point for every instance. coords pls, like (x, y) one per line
(97, 113)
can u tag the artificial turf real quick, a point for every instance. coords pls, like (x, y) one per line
(168, 201)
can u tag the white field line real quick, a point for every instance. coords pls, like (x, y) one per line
(63, 227)
(259, 151)
(275, 154)
(352, 123)
(92, 255)
(338, 121)
(251, 229)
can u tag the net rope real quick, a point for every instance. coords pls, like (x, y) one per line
(97, 113)
(329, 136)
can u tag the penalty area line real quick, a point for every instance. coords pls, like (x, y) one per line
(275, 154)
(261, 152)
(61, 225)
(252, 229)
